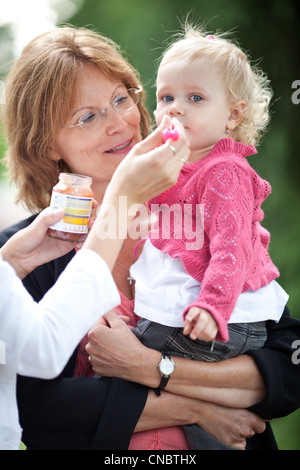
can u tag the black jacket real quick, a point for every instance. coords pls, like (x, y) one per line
(85, 413)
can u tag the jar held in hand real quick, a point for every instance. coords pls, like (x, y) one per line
(72, 193)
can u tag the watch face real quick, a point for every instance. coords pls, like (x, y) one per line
(166, 366)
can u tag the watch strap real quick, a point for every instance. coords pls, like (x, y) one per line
(164, 379)
(163, 382)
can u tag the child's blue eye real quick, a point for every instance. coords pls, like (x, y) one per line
(167, 98)
(196, 98)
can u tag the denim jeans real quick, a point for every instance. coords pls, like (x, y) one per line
(242, 338)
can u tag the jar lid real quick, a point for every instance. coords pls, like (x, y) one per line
(74, 178)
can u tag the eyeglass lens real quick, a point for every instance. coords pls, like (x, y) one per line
(121, 103)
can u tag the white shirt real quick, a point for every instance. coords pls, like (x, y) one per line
(37, 339)
(164, 289)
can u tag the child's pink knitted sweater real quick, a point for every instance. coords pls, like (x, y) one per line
(234, 256)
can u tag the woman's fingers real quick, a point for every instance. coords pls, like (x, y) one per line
(153, 165)
(43, 221)
(155, 142)
(155, 139)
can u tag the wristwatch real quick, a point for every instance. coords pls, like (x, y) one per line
(166, 368)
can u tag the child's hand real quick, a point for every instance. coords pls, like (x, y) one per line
(200, 324)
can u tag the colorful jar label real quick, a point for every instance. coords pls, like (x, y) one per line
(77, 212)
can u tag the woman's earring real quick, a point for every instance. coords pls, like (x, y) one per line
(227, 131)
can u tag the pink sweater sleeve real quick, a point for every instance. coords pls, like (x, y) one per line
(228, 200)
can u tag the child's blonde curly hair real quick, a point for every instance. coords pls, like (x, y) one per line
(243, 80)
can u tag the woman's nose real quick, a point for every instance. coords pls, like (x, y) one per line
(114, 122)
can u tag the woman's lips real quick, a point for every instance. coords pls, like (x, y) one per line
(120, 148)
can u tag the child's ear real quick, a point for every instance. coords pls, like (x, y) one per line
(236, 116)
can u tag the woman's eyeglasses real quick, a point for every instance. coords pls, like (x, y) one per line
(121, 103)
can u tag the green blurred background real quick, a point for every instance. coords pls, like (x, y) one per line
(269, 30)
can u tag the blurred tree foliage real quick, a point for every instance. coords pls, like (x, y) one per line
(6, 57)
(269, 30)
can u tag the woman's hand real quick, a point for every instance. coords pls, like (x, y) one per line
(152, 166)
(31, 247)
(231, 426)
(114, 351)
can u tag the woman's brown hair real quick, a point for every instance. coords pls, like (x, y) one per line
(39, 90)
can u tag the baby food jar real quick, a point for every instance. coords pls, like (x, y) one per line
(73, 194)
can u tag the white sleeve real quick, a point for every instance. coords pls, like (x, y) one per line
(40, 337)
